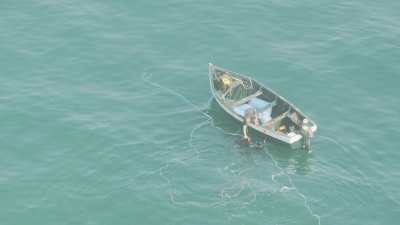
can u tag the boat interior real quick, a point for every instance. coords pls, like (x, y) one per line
(263, 108)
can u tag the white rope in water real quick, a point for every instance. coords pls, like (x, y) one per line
(243, 184)
(197, 127)
(282, 172)
(335, 142)
(172, 195)
(209, 121)
(146, 78)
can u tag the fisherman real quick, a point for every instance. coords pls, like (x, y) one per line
(295, 118)
(256, 120)
(250, 117)
(282, 129)
(246, 138)
(307, 134)
(225, 81)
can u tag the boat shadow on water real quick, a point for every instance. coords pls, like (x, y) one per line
(288, 157)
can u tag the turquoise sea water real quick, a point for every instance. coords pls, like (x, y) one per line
(106, 115)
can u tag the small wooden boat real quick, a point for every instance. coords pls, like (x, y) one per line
(260, 108)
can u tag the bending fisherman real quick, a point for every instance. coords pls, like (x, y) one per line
(307, 134)
(246, 138)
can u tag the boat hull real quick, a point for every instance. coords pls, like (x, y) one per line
(293, 140)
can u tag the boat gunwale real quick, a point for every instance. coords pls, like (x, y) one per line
(281, 137)
(314, 128)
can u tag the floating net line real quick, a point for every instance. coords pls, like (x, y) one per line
(223, 194)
